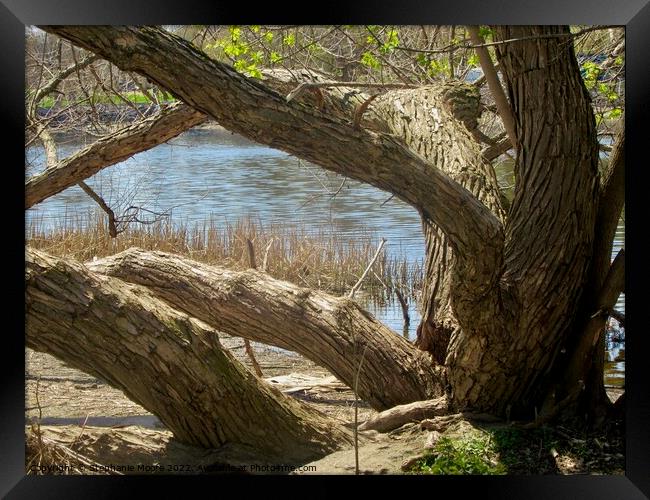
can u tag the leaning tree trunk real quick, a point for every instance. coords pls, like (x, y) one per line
(334, 332)
(171, 364)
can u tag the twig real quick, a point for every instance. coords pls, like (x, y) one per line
(306, 85)
(372, 261)
(247, 344)
(266, 255)
(405, 307)
(356, 413)
(81, 458)
(112, 228)
(387, 200)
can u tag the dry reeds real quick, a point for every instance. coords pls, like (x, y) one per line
(312, 258)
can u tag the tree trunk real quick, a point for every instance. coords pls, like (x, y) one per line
(550, 230)
(171, 364)
(334, 332)
(505, 291)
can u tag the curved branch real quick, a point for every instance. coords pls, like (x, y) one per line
(110, 150)
(251, 109)
(169, 363)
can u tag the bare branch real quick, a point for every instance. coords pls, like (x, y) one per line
(503, 106)
(112, 228)
(372, 261)
(110, 150)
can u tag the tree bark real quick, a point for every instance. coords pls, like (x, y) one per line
(171, 364)
(509, 295)
(331, 331)
(550, 231)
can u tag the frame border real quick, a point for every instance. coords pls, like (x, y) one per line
(634, 14)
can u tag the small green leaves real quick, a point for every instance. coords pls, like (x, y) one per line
(289, 40)
(368, 59)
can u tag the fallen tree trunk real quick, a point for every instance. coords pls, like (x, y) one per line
(334, 332)
(169, 363)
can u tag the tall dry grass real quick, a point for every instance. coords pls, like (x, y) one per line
(313, 258)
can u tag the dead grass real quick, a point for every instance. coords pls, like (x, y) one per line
(311, 258)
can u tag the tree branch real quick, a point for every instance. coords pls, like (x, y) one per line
(503, 106)
(169, 363)
(323, 328)
(54, 82)
(110, 150)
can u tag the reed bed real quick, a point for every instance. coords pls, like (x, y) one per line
(315, 258)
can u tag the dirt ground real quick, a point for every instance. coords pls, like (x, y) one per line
(96, 427)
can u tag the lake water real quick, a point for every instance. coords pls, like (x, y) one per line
(212, 173)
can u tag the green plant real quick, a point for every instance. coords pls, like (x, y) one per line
(473, 454)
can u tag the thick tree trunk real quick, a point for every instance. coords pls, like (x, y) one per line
(550, 231)
(334, 332)
(507, 300)
(169, 363)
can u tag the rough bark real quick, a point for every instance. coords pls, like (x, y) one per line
(169, 363)
(599, 298)
(511, 298)
(412, 114)
(550, 230)
(110, 150)
(334, 332)
(582, 360)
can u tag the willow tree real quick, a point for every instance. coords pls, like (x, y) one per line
(516, 296)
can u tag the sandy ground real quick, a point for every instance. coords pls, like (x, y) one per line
(87, 416)
(84, 416)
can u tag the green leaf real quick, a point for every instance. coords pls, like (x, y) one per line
(485, 32)
(615, 113)
(368, 59)
(289, 40)
(235, 33)
(268, 36)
